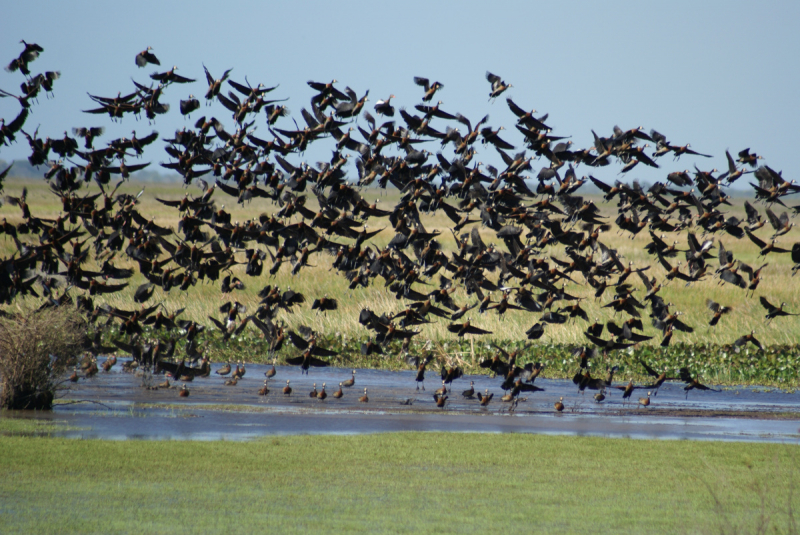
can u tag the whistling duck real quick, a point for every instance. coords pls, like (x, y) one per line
(109, 363)
(485, 398)
(92, 370)
(184, 392)
(242, 371)
(287, 390)
(600, 396)
(644, 402)
(233, 381)
(313, 392)
(442, 391)
(350, 382)
(225, 370)
(339, 393)
(559, 405)
(186, 378)
(440, 399)
(322, 394)
(364, 398)
(264, 390)
(165, 384)
(469, 394)
(74, 377)
(236, 372)
(272, 371)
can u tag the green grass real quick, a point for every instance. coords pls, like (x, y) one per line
(408, 482)
(26, 426)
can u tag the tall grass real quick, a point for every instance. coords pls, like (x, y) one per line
(204, 299)
(36, 347)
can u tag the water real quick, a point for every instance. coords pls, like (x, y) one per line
(116, 406)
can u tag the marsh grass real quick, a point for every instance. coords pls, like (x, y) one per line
(204, 299)
(406, 482)
(36, 347)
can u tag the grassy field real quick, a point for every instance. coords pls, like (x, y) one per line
(409, 482)
(203, 300)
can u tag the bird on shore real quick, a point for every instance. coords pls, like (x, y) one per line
(559, 405)
(287, 390)
(364, 398)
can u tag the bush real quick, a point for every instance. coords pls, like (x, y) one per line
(36, 348)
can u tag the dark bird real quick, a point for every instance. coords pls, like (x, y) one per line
(349, 382)
(189, 105)
(430, 88)
(470, 392)
(748, 338)
(485, 398)
(421, 365)
(692, 382)
(773, 311)
(460, 329)
(146, 56)
(628, 389)
(718, 310)
(29, 54)
(498, 85)
(324, 304)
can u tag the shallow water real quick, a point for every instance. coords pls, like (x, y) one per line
(115, 405)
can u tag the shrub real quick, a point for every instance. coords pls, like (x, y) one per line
(36, 347)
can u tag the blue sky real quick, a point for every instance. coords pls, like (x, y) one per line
(718, 75)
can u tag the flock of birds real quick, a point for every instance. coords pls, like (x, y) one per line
(546, 235)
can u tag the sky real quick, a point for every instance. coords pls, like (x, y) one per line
(717, 75)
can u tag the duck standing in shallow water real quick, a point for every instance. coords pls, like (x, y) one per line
(350, 382)
(364, 398)
(270, 373)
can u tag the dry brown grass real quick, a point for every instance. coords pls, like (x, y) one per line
(36, 347)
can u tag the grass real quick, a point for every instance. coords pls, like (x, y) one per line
(407, 482)
(26, 426)
(204, 299)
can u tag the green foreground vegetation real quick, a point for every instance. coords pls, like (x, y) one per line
(407, 482)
